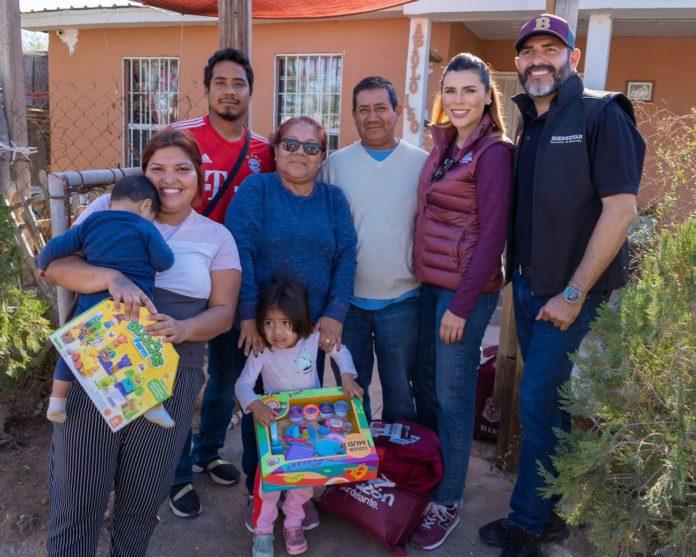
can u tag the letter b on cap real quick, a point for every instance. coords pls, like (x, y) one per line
(542, 24)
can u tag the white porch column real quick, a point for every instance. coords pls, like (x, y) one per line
(598, 48)
(416, 79)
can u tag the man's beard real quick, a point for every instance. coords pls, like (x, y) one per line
(544, 90)
(230, 117)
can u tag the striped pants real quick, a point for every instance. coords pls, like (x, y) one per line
(138, 462)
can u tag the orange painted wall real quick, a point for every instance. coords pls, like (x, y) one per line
(370, 47)
(86, 87)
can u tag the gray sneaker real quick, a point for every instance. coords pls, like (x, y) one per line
(263, 546)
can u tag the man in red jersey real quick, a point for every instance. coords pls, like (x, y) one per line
(221, 134)
(231, 152)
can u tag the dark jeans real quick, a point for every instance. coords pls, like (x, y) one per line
(545, 351)
(392, 334)
(250, 454)
(445, 383)
(225, 364)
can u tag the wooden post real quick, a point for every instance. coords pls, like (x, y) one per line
(234, 24)
(567, 9)
(6, 182)
(510, 365)
(506, 386)
(12, 83)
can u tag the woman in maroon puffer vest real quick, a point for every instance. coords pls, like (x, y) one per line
(463, 199)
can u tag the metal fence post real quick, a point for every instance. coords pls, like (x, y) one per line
(57, 190)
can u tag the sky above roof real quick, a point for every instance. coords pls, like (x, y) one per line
(39, 5)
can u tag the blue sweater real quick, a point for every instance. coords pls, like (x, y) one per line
(311, 238)
(117, 240)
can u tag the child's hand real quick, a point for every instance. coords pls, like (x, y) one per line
(262, 413)
(350, 386)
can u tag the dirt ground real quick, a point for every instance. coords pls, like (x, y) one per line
(219, 530)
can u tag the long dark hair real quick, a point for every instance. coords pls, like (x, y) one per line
(467, 61)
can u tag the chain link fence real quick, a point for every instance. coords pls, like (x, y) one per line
(96, 127)
(92, 127)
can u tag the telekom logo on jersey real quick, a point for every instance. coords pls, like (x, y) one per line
(214, 180)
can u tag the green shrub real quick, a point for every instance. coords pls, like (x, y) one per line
(24, 331)
(631, 477)
(24, 326)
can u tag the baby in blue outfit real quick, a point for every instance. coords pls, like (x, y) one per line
(122, 238)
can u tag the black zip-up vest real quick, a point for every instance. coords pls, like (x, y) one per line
(566, 206)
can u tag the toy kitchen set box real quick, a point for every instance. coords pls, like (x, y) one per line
(123, 369)
(318, 438)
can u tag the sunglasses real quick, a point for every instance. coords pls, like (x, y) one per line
(309, 147)
(443, 169)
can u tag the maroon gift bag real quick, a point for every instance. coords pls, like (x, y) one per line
(390, 507)
(487, 419)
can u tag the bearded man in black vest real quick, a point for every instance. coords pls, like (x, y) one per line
(578, 162)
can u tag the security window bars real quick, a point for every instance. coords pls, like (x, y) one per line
(310, 84)
(151, 101)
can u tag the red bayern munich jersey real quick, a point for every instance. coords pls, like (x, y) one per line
(219, 156)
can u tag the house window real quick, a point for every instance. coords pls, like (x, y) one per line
(151, 101)
(310, 84)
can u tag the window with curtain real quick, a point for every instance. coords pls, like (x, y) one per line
(151, 101)
(310, 85)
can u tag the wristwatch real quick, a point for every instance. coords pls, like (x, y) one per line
(572, 295)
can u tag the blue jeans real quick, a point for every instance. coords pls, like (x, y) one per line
(225, 364)
(445, 383)
(545, 350)
(392, 334)
(250, 454)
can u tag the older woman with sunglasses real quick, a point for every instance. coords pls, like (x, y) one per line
(291, 222)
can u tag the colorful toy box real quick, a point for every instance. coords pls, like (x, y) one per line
(123, 369)
(319, 438)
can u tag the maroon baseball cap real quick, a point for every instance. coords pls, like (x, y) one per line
(546, 24)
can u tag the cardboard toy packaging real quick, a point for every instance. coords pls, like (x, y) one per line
(319, 438)
(123, 369)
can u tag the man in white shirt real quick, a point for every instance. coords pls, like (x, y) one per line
(379, 177)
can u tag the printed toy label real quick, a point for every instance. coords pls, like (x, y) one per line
(318, 438)
(123, 369)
